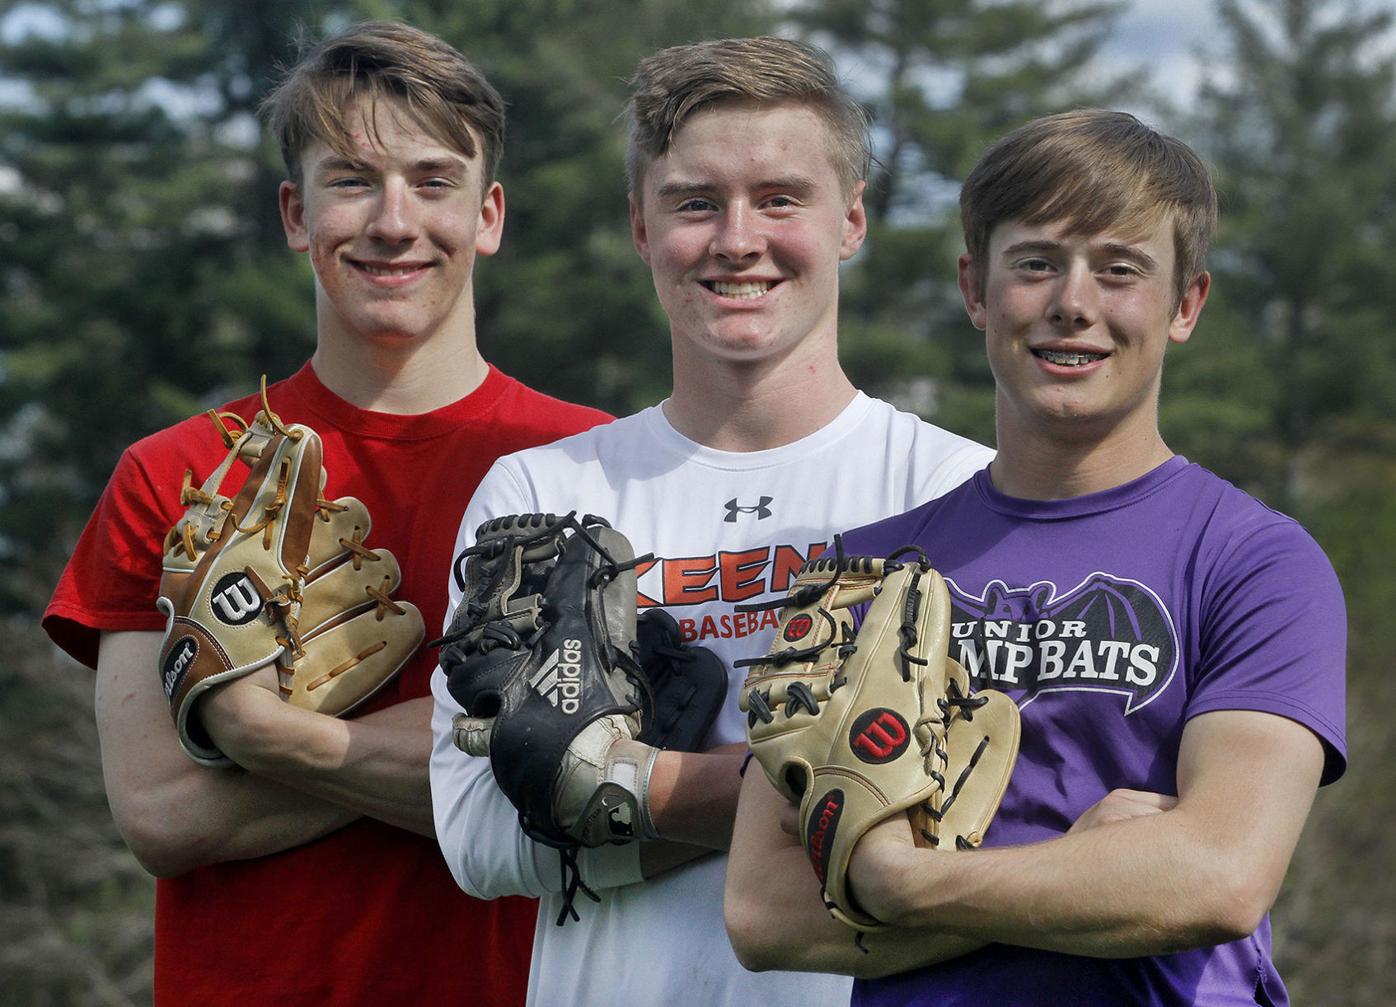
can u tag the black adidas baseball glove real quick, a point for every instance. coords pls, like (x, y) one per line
(540, 655)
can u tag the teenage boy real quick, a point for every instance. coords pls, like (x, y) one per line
(746, 167)
(1175, 647)
(307, 876)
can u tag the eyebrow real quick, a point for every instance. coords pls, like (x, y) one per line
(1112, 248)
(429, 165)
(799, 184)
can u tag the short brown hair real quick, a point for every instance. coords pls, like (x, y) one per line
(1092, 169)
(674, 83)
(443, 92)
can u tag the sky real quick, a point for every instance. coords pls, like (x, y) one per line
(1166, 35)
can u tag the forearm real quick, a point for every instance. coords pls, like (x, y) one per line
(375, 765)
(693, 795)
(1203, 872)
(776, 919)
(174, 814)
(1145, 887)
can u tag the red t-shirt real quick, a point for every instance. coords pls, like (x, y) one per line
(368, 915)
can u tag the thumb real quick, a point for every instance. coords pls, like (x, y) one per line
(472, 734)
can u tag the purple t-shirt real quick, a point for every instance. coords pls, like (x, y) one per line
(1112, 619)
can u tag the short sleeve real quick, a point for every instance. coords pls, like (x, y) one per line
(1273, 636)
(112, 580)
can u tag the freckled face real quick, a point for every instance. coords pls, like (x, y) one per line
(743, 225)
(1076, 325)
(393, 232)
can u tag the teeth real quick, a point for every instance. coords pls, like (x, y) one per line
(390, 271)
(1069, 359)
(740, 289)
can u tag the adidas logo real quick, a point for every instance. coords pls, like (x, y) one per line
(559, 681)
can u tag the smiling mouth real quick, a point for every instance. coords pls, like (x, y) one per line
(745, 291)
(1063, 358)
(403, 270)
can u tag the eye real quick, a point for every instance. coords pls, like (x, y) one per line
(1034, 265)
(1122, 271)
(348, 183)
(696, 204)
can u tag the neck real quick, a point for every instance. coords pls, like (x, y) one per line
(1040, 464)
(399, 375)
(753, 406)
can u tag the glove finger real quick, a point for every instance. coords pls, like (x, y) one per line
(343, 666)
(472, 734)
(981, 753)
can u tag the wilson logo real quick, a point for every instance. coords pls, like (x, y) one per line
(879, 736)
(798, 628)
(559, 681)
(819, 833)
(181, 656)
(235, 601)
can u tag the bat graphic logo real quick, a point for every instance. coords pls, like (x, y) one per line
(1108, 634)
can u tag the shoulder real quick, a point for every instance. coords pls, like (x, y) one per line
(927, 438)
(1237, 532)
(913, 526)
(593, 445)
(193, 442)
(547, 418)
(935, 460)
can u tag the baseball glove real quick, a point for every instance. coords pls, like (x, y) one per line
(539, 654)
(855, 725)
(277, 574)
(685, 685)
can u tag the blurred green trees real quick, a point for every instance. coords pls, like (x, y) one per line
(143, 276)
(943, 79)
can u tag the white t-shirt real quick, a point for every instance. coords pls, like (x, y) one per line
(728, 527)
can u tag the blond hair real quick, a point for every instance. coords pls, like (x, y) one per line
(445, 95)
(674, 83)
(1093, 170)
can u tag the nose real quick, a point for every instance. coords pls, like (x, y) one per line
(1073, 304)
(738, 235)
(393, 221)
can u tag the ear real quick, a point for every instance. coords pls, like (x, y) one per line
(855, 224)
(293, 217)
(969, 292)
(638, 232)
(1190, 308)
(490, 231)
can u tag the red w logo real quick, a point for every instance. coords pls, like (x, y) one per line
(879, 736)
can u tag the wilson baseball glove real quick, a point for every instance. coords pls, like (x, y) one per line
(854, 725)
(278, 575)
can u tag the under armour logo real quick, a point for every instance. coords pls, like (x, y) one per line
(235, 601)
(761, 510)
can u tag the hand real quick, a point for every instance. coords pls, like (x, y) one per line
(1122, 805)
(875, 869)
(236, 714)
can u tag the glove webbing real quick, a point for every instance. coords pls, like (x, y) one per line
(966, 705)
